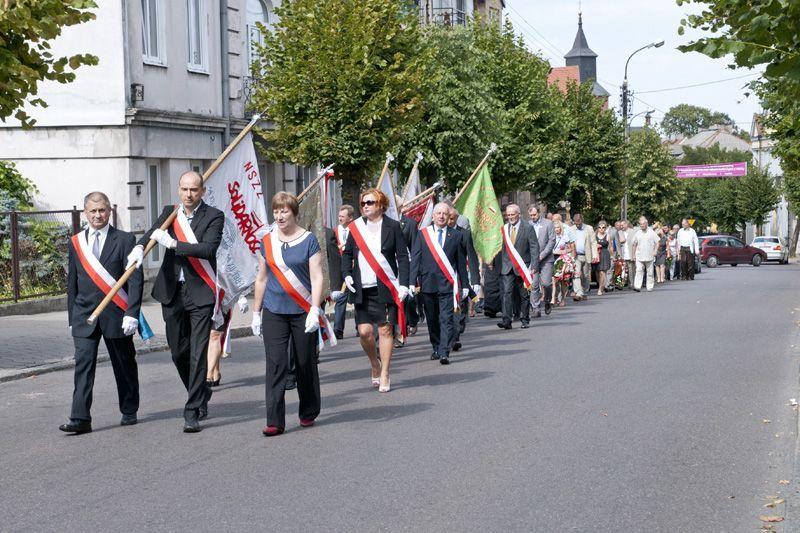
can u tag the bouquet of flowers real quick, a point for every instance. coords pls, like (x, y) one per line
(563, 267)
(620, 273)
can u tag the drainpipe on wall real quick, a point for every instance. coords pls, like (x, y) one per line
(225, 71)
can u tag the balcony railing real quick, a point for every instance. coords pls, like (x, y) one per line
(448, 16)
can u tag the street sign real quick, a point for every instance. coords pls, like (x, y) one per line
(715, 170)
(691, 222)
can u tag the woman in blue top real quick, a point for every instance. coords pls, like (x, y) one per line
(289, 268)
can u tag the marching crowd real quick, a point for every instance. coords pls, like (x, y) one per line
(394, 274)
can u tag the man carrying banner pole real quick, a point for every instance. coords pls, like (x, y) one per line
(186, 287)
(96, 257)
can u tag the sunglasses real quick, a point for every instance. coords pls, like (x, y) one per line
(368, 202)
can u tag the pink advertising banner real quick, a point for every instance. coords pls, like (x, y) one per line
(716, 170)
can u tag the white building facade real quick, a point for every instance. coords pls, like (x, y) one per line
(169, 92)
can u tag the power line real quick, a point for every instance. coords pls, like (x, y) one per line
(543, 47)
(554, 47)
(750, 75)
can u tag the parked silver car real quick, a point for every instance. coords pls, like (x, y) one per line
(774, 246)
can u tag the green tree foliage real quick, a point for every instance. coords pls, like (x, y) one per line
(687, 120)
(462, 115)
(756, 196)
(341, 96)
(530, 111)
(653, 189)
(586, 158)
(16, 191)
(27, 28)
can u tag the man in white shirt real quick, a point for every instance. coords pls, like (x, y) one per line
(645, 244)
(688, 247)
(346, 215)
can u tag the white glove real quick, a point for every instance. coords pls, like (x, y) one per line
(349, 282)
(335, 295)
(163, 238)
(135, 257)
(403, 293)
(129, 325)
(464, 292)
(243, 307)
(255, 325)
(411, 292)
(476, 289)
(312, 320)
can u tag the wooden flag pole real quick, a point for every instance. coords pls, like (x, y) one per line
(389, 159)
(311, 185)
(492, 149)
(168, 222)
(408, 182)
(422, 196)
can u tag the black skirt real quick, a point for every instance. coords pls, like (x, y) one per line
(372, 311)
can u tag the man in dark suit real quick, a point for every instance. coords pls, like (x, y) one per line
(523, 238)
(182, 287)
(410, 230)
(96, 255)
(340, 234)
(437, 292)
(543, 279)
(473, 282)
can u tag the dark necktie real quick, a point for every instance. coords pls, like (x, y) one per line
(440, 237)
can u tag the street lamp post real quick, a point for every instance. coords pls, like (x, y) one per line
(624, 207)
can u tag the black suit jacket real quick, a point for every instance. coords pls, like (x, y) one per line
(334, 260)
(527, 244)
(207, 225)
(83, 296)
(393, 248)
(410, 231)
(472, 257)
(425, 268)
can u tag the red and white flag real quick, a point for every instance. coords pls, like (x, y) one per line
(235, 189)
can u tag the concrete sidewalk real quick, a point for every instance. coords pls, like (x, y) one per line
(34, 344)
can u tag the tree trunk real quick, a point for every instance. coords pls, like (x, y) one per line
(795, 235)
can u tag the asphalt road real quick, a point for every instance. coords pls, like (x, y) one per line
(645, 412)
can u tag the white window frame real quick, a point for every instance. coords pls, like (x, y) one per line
(197, 60)
(253, 34)
(156, 57)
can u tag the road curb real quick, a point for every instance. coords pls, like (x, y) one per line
(69, 362)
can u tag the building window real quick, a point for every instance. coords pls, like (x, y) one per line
(154, 190)
(153, 46)
(258, 11)
(197, 30)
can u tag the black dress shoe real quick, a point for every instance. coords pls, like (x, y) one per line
(203, 410)
(190, 421)
(489, 315)
(76, 426)
(504, 325)
(444, 360)
(339, 334)
(547, 308)
(456, 346)
(434, 356)
(291, 382)
(525, 325)
(128, 420)
(214, 382)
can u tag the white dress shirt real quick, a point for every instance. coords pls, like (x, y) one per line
(343, 233)
(688, 237)
(189, 217)
(102, 232)
(373, 240)
(646, 243)
(436, 230)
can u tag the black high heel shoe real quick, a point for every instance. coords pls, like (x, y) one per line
(214, 382)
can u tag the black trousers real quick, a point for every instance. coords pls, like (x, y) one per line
(513, 288)
(278, 331)
(460, 319)
(188, 327)
(412, 318)
(492, 291)
(123, 361)
(687, 263)
(441, 326)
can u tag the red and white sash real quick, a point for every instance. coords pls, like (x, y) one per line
(96, 271)
(183, 232)
(294, 287)
(441, 259)
(380, 266)
(339, 241)
(519, 265)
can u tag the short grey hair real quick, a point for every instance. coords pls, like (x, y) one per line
(96, 196)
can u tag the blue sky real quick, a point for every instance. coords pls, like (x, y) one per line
(614, 29)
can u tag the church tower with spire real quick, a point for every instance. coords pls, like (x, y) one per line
(585, 59)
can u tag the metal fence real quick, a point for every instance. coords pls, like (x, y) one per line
(33, 251)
